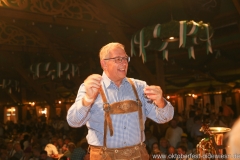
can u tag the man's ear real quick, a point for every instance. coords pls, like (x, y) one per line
(103, 64)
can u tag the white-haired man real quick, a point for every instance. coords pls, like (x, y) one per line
(115, 108)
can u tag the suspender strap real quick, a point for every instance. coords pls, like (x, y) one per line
(140, 114)
(107, 118)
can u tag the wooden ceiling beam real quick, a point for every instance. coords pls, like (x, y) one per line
(15, 15)
(237, 5)
(146, 7)
(35, 17)
(51, 49)
(123, 17)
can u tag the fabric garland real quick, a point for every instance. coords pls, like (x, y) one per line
(182, 33)
(191, 53)
(165, 55)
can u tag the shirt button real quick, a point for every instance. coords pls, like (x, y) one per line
(124, 142)
(124, 127)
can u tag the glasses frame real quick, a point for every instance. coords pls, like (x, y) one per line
(122, 58)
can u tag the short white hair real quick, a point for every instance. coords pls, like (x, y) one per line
(105, 50)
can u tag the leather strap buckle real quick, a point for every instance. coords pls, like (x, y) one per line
(107, 108)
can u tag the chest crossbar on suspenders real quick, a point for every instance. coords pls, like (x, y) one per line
(122, 107)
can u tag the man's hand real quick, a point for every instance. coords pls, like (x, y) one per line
(154, 93)
(92, 84)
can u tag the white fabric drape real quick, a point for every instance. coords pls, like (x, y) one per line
(217, 102)
(37, 111)
(15, 119)
(189, 101)
(12, 117)
(206, 99)
(180, 105)
(48, 111)
(237, 101)
(5, 114)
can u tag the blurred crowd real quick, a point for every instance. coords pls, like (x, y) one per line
(38, 139)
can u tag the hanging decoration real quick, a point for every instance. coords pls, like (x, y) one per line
(172, 35)
(54, 70)
(9, 84)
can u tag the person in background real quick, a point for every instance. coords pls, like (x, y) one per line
(149, 139)
(36, 150)
(51, 149)
(163, 145)
(173, 133)
(18, 151)
(184, 142)
(10, 149)
(171, 153)
(227, 113)
(195, 132)
(44, 155)
(182, 153)
(71, 147)
(80, 152)
(115, 107)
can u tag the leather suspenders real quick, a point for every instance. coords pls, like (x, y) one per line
(122, 107)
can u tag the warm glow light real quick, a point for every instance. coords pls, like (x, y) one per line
(168, 97)
(11, 111)
(171, 37)
(44, 111)
(194, 96)
(59, 102)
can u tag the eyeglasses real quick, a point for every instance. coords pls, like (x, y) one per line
(120, 59)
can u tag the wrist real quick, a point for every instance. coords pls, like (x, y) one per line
(89, 100)
(160, 103)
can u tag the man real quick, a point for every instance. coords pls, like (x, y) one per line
(44, 155)
(182, 153)
(115, 108)
(173, 133)
(227, 114)
(51, 148)
(18, 151)
(184, 142)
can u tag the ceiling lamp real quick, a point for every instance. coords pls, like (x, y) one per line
(172, 35)
(54, 70)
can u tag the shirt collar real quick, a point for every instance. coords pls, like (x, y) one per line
(107, 81)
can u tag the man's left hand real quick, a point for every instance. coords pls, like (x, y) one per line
(154, 93)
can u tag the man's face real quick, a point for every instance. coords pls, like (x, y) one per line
(180, 151)
(115, 71)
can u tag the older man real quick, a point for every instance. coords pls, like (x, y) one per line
(115, 108)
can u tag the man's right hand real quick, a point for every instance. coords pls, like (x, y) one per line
(92, 84)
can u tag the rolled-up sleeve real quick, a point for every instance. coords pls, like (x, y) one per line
(159, 115)
(78, 114)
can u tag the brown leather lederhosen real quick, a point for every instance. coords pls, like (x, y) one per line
(136, 152)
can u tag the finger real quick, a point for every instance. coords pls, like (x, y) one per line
(93, 77)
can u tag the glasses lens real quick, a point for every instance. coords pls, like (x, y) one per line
(121, 59)
(118, 60)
